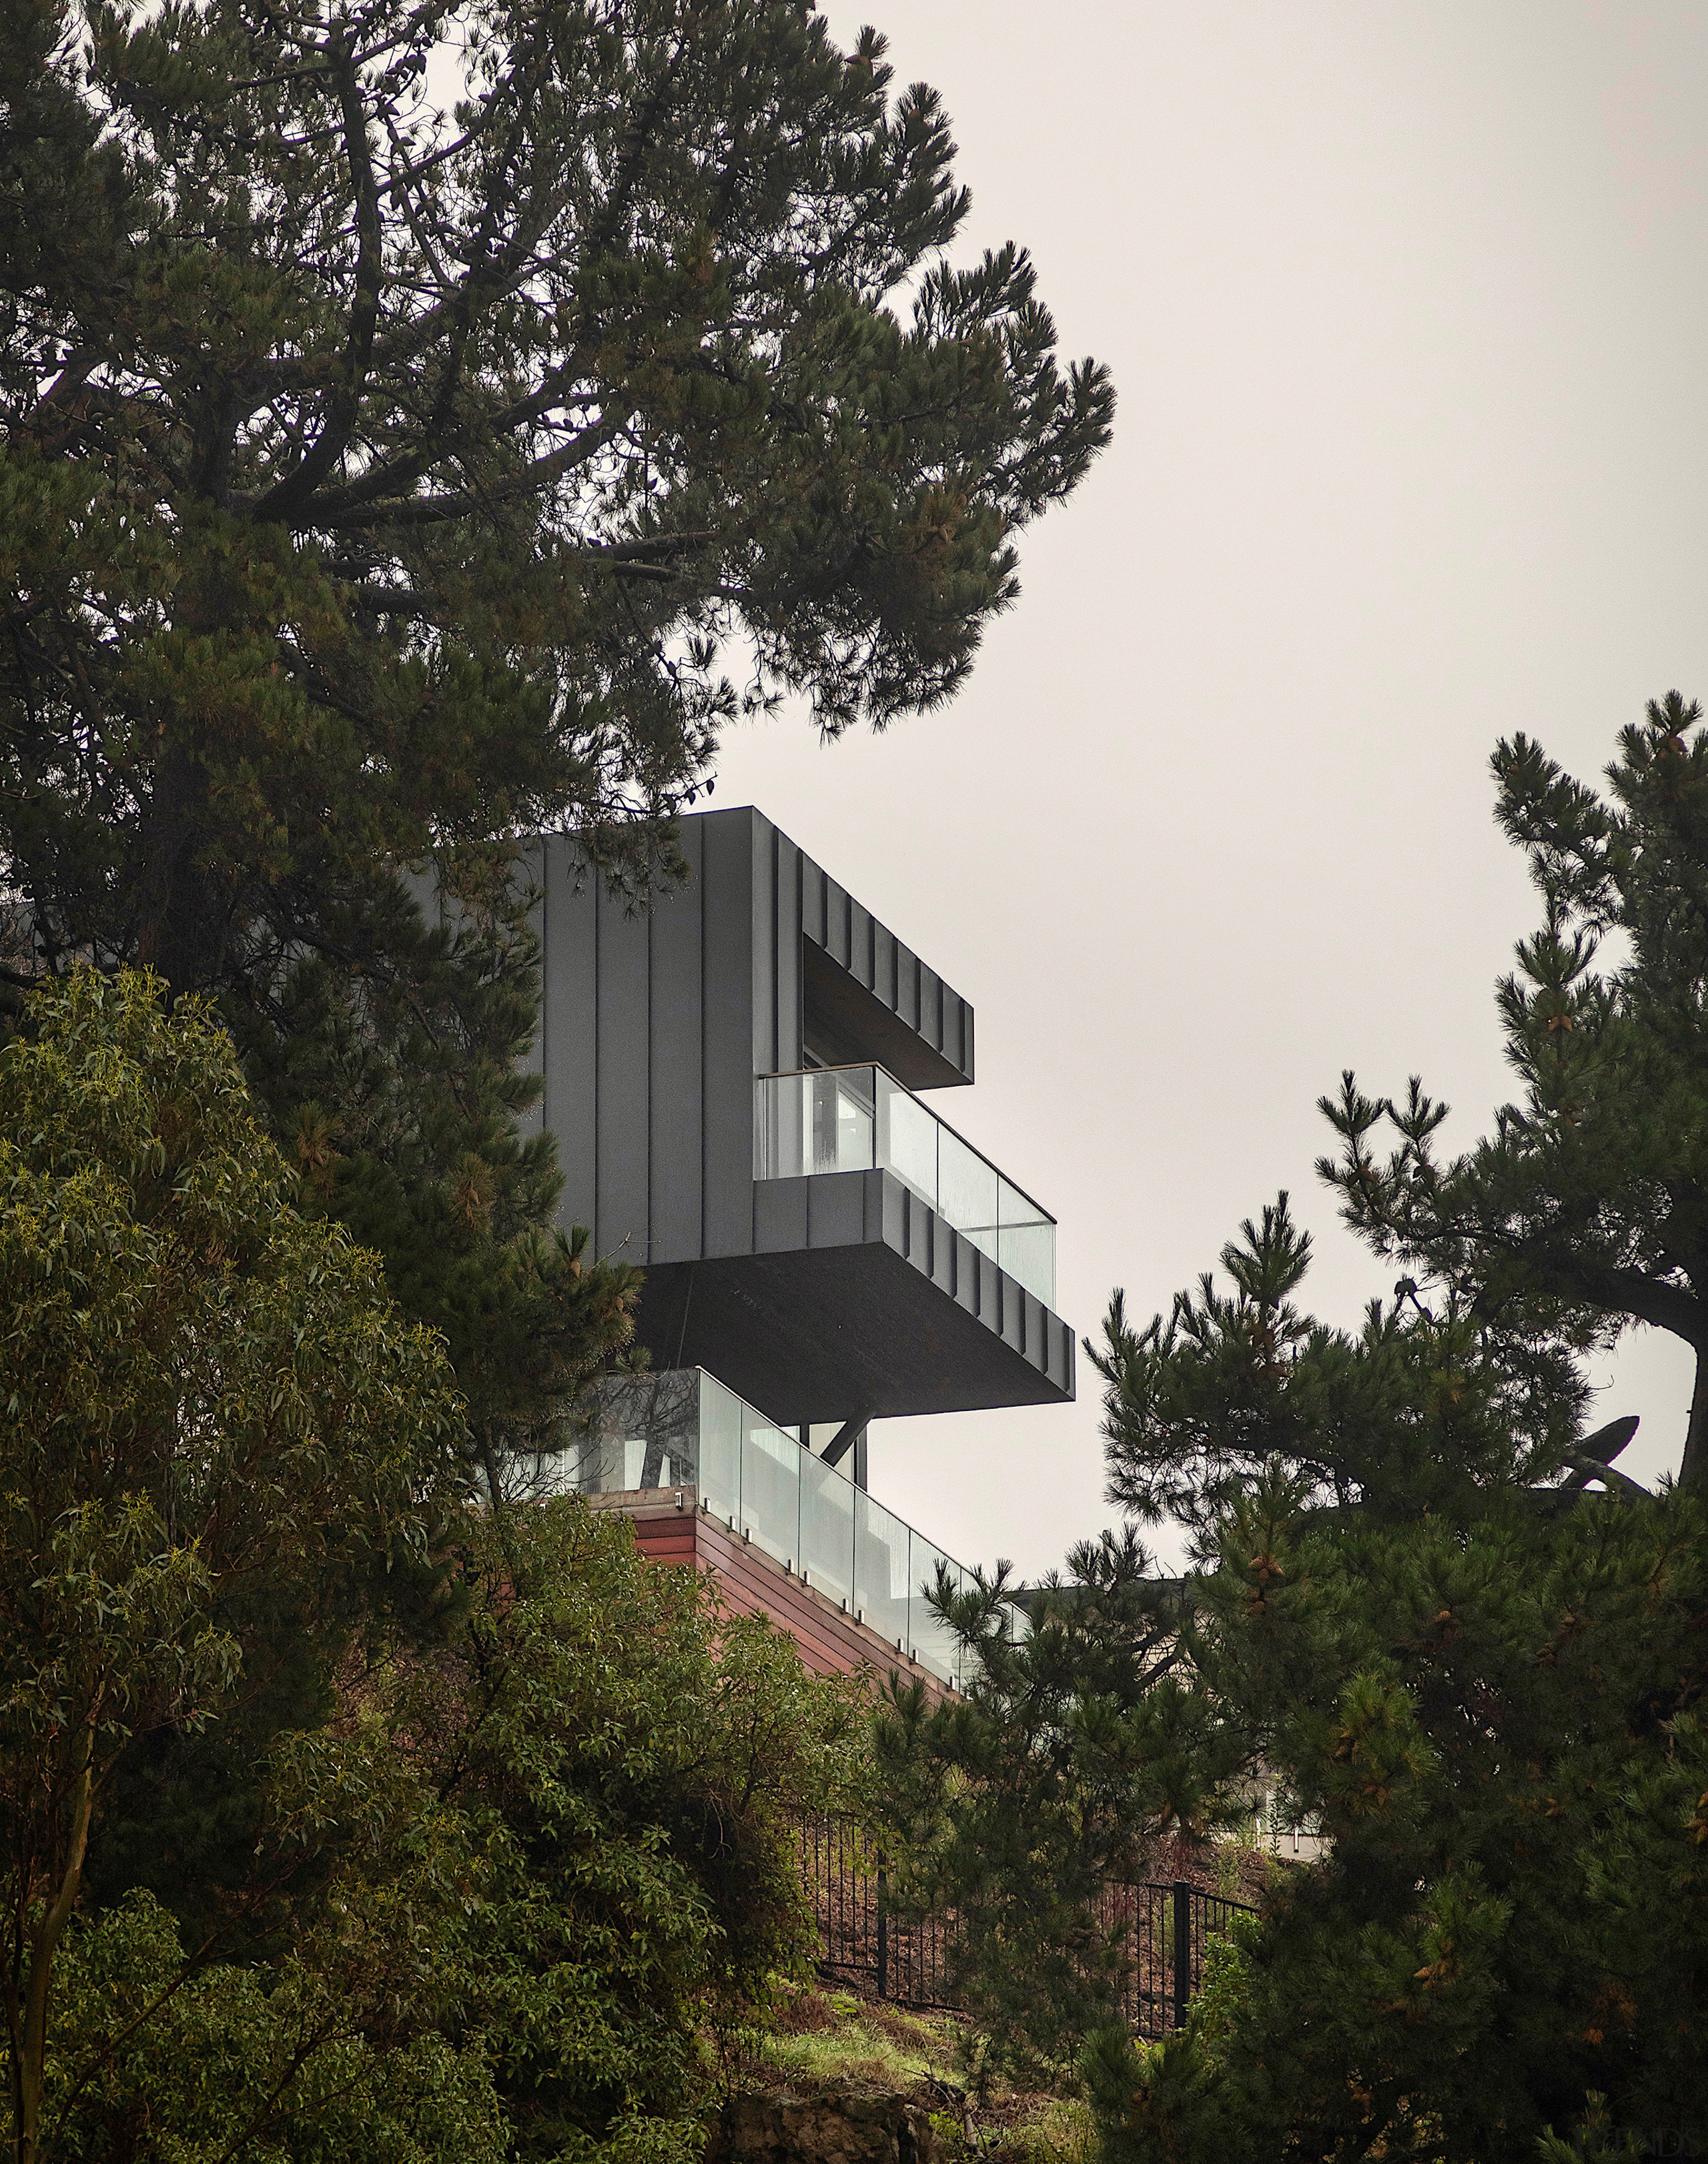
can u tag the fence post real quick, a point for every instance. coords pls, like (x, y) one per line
(883, 1935)
(1183, 1950)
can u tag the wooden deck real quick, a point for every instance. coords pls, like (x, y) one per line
(670, 1527)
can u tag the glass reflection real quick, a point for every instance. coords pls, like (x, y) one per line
(853, 1119)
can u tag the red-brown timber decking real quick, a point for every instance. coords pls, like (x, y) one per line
(670, 1527)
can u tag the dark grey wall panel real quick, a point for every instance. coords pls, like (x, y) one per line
(569, 1020)
(931, 1006)
(1033, 1338)
(907, 985)
(765, 946)
(624, 1078)
(1011, 1306)
(989, 1308)
(676, 1023)
(965, 1288)
(895, 1227)
(860, 945)
(835, 921)
(1063, 1352)
(916, 1231)
(837, 1210)
(942, 1257)
(782, 1223)
(729, 938)
(884, 963)
(786, 1055)
(954, 1013)
(812, 901)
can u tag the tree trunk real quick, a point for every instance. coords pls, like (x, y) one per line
(30, 2074)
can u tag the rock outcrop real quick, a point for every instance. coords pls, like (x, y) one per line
(830, 2129)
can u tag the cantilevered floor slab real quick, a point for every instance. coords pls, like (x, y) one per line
(858, 1301)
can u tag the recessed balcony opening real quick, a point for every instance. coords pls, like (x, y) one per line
(854, 1119)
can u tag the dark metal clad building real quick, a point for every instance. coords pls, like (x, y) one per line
(732, 1076)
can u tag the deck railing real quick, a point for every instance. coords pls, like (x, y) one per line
(854, 1119)
(1166, 1927)
(679, 1427)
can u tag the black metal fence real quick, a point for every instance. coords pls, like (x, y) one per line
(1166, 1930)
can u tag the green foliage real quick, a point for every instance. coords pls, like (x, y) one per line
(155, 2058)
(1484, 1702)
(1488, 1725)
(423, 426)
(1418, 1411)
(1587, 1209)
(206, 1393)
(629, 1765)
(557, 1853)
(1018, 1805)
(472, 1889)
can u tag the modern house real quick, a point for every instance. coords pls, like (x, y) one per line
(737, 1078)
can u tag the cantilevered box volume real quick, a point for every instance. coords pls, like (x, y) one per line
(731, 1075)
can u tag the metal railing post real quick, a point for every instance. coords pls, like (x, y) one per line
(883, 1936)
(1183, 1950)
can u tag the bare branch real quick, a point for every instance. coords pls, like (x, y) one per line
(287, 496)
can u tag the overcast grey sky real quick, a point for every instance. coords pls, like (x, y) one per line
(1408, 308)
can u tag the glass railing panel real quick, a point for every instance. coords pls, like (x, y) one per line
(826, 1529)
(967, 1191)
(843, 1119)
(935, 1646)
(784, 1123)
(583, 1467)
(881, 1586)
(720, 1448)
(823, 1121)
(1026, 1242)
(849, 1119)
(907, 1138)
(639, 1432)
(682, 1428)
(770, 1487)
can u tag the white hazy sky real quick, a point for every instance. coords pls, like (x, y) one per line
(1407, 308)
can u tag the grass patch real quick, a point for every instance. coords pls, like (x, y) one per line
(825, 2038)
(822, 2040)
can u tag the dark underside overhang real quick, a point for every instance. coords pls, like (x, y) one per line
(859, 1302)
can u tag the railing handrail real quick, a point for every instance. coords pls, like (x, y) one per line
(848, 1066)
(689, 1488)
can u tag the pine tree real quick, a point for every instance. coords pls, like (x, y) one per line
(1490, 1717)
(1477, 1681)
(1419, 1409)
(1587, 1209)
(1459, 1642)
(1077, 1740)
(425, 424)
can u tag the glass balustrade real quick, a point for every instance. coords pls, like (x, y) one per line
(852, 1119)
(682, 1428)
